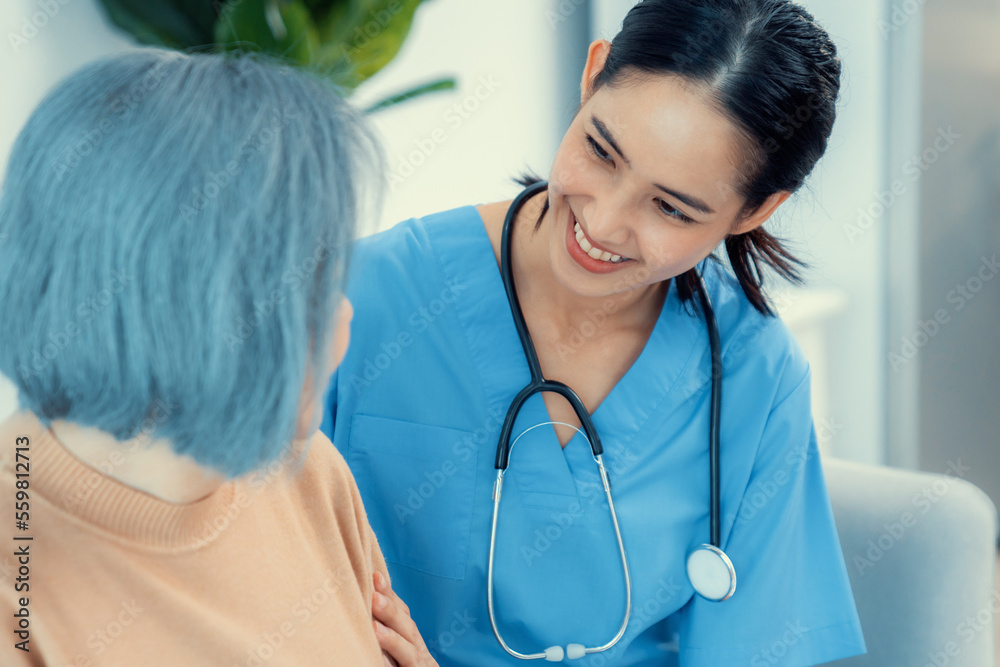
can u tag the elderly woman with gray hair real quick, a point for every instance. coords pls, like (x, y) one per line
(177, 230)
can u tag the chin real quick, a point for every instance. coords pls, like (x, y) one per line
(575, 280)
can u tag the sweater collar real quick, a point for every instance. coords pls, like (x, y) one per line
(109, 506)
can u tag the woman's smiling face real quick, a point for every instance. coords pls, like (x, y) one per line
(644, 184)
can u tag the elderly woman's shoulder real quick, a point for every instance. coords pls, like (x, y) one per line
(324, 488)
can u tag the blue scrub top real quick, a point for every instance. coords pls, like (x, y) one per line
(416, 409)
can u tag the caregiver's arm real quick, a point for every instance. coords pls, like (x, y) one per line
(397, 633)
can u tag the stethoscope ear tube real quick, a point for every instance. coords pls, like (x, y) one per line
(573, 651)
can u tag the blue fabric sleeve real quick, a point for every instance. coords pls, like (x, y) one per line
(793, 604)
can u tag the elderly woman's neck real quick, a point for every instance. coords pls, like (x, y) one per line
(149, 466)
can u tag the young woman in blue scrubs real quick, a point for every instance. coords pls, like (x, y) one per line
(697, 122)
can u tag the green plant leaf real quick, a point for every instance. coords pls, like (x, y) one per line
(174, 23)
(302, 40)
(342, 16)
(378, 37)
(282, 29)
(359, 38)
(346, 40)
(244, 26)
(435, 86)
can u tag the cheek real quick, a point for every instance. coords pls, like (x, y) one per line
(341, 335)
(341, 341)
(670, 251)
(662, 253)
(572, 169)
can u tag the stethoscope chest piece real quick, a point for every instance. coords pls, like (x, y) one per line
(711, 573)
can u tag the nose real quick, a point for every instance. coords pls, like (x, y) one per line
(606, 219)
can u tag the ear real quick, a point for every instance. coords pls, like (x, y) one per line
(310, 406)
(763, 212)
(597, 55)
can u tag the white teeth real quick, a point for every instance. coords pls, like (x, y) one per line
(595, 253)
(582, 240)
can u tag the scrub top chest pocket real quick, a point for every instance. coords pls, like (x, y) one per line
(417, 483)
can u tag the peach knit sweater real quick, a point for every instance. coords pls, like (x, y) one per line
(271, 569)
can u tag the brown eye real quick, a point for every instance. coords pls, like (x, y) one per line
(596, 149)
(672, 212)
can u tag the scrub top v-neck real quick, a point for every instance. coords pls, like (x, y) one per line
(416, 409)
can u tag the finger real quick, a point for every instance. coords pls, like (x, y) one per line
(389, 610)
(398, 648)
(382, 586)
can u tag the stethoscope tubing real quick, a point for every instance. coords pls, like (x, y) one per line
(539, 384)
(497, 493)
(713, 432)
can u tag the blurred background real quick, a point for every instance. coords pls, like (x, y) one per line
(900, 221)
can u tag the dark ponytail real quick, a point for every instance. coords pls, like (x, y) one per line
(773, 72)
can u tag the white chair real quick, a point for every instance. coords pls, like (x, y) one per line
(921, 551)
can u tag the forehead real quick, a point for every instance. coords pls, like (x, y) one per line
(672, 132)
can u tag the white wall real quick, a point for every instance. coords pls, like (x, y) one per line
(511, 44)
(39, 47)
(848, 179)
(960, 228)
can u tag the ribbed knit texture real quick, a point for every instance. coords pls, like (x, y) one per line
(270, 569)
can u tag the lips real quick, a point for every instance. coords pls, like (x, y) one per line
(582, 249)
(592, 250)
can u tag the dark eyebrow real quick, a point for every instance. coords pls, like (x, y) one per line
(606, 133)
(693, 202)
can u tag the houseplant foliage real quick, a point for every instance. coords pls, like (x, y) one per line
(346, 40)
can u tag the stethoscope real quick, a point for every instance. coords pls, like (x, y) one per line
(709, 569)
